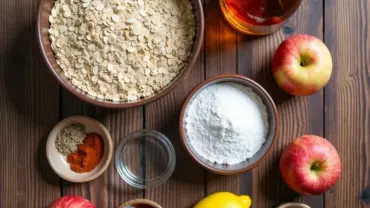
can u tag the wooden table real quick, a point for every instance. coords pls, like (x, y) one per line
(32, 102)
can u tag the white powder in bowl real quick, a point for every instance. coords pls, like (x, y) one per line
(226, 123)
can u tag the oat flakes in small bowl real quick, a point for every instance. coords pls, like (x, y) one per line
(120, 53)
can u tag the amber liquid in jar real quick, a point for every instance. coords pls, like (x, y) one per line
(258, 17)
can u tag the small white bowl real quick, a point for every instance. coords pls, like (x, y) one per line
(58, 162)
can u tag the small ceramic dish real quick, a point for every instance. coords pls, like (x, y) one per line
(58, 162)
(293, 205)
(140, 203)
(271, 135)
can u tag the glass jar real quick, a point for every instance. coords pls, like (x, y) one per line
(258, 17)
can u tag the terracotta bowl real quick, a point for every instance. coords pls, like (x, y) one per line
(265, 149)
(45, 8)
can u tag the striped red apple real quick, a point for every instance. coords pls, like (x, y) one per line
(310, 165)
(302, 65)
(71, 202)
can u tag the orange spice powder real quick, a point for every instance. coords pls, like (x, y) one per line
(88, 155)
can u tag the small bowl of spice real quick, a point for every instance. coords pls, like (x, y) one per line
(228, 124)
(79, 149)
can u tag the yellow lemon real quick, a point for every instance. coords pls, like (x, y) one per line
(224, 200)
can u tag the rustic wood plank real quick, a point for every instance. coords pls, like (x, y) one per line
(297, 115)
(220, 42)
(109, 190)
(221, 58)
(347, 98)
(186, 186)
(28, 111)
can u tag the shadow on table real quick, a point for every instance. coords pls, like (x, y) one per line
(71, 105)
(257, 66)
(31, 94)
(29, 86)
(43, 166)
(186, 169)
(268, 82)
(163, 116)
(273, 187)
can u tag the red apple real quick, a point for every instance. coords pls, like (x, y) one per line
(302, 65)
(71, 202)
(310, 165)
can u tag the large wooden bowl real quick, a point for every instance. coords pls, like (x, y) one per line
(266, 147)
(43, 25)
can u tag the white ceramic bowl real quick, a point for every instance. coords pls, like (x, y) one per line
(58, 162)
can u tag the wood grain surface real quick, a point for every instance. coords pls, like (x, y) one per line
(347, 98)
(31, 103)
(297, 115)
(28, 111)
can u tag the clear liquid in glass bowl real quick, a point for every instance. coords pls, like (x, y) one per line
(145, 159)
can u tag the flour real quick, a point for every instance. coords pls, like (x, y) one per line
(226, 123)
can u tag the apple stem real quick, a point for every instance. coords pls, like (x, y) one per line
(316, 166)
(305, 60)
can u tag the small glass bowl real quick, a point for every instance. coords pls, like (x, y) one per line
(145, 159)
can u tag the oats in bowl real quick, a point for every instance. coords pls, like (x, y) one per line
(121, 49)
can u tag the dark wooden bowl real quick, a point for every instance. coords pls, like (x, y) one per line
(43, 25)
(271, 135)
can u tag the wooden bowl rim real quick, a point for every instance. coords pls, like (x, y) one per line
(142, 201)
(290, 204)
(107, 104)
(184, 138)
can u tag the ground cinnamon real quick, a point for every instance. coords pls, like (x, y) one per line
(88, 155)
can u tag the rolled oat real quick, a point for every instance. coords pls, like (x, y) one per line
(121, 49)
